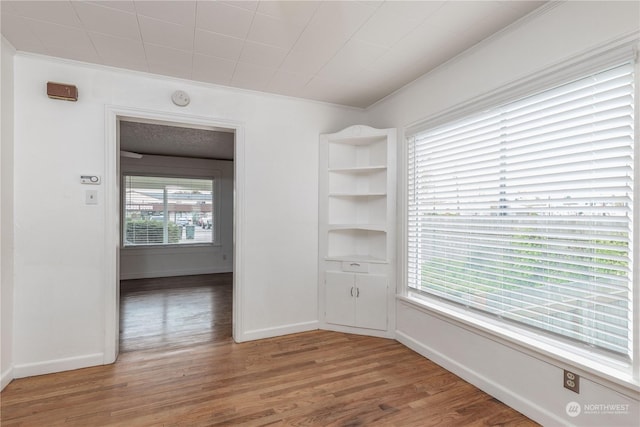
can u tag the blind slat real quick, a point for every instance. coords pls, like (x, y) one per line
(524, 211)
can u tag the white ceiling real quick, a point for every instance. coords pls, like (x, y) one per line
(345, 52)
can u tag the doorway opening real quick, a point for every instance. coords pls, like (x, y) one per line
(173, 186)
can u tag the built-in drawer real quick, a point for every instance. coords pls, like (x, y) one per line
(355, 267)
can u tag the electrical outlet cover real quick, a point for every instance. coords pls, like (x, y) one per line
(572, 381)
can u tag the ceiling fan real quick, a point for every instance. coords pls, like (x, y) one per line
(130, 154)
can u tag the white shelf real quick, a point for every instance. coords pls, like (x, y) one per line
(365, 227)
(357, 154)
(373, 181)
(357, 194)
(362, 169)
(356, 258)
(363, 242)
(357, 209)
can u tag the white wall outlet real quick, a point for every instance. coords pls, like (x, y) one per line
(91, 197)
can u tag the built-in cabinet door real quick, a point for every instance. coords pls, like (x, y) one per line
(371, 301)
(339, 300)
(356, 300)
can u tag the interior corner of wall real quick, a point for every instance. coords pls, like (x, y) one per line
(6, 377)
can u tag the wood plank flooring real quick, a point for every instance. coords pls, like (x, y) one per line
(175, 311)
(317, 378)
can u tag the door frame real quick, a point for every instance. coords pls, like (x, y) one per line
(113, 115)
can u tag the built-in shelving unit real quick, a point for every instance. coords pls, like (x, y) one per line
(357, 235)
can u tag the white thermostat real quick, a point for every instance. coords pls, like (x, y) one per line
(89, 179)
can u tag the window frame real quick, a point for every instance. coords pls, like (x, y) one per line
(616, 373)
(215, 211)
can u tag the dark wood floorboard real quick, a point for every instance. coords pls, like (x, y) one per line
(186, 376)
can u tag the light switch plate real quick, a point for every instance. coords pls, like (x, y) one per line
(91, 197)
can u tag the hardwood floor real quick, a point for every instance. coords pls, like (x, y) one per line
(175, 311)
(197, 376)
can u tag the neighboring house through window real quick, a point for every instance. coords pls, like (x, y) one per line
(162, 210)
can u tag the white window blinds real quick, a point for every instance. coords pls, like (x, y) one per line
(525, 211)
(161, 210)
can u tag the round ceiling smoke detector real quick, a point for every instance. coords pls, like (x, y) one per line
(180, 98)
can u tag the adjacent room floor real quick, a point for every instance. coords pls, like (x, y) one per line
(171, 312)
(178, 366)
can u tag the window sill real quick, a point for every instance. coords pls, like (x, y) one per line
(611, 373)
(194, 247)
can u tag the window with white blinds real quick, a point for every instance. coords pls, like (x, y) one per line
(161, 210)
(525, 211)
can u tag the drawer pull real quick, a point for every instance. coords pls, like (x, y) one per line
(353, 266)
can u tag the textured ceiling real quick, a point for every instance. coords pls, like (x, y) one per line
(144, 138)
(345, 52)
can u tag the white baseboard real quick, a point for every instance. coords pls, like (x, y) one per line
(357, 331)
(507, 396)
(6, 378)
(173, 273)
(58, 365)
(257, 334)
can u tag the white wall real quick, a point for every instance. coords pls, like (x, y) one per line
(140, 262)
(60, 241)
(6, 215)
(523, 380)
(59, 314)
